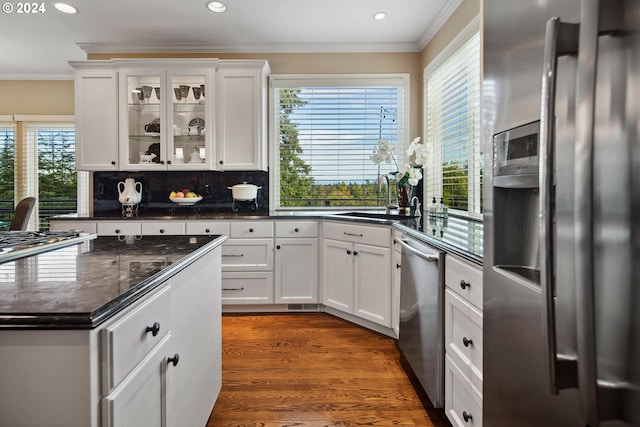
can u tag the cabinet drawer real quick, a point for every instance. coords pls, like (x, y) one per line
(253, 229)
(150, 228)
(463, 336)
(377, 236)
(86, 226)
(247, 288)
(115, 228)
(128, 340)
(461, 398)
(296, 229)
(464, 280)
(247, 254)
(208, 227)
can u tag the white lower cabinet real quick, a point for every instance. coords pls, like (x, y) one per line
(251, 287)
(296, 262)
(140, 399)
(462, 401)
(177, 381)
(463, 342)
(247, 263)
(357, 275)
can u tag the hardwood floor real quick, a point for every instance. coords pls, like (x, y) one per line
(312, 370)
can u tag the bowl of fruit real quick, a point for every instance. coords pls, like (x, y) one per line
(184, 197)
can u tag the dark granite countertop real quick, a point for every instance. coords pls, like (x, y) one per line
(81, 286)
(452, 234)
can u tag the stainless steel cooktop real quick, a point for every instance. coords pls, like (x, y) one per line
(19, 244)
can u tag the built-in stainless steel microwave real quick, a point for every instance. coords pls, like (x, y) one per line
(515, 156)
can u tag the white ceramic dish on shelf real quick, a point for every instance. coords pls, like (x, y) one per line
(185, 200)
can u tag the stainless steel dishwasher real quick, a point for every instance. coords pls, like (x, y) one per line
(421, 339)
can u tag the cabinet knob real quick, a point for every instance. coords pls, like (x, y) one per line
(466, 341)
(464, 284)
(355, 252)
(278, 247)
(348, 252)
(113, 162)
(398, 266)
(175, 359)
(206, 230)
(117, 231)
(467, 416)
(296, 229)
(251, 230)
(221, 162)
(168, 162)
(161, 230)
(153, 329)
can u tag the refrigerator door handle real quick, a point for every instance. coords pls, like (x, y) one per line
(560, 39)
(599, 400)
(583, 211)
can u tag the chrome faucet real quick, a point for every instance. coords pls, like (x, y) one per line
(389, 206)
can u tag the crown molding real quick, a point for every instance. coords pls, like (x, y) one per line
(437, 23)
(97, 48)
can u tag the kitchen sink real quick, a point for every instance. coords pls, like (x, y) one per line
(375, 215)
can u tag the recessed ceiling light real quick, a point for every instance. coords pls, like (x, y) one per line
(379, 16)
(216, 6)
(65, 8)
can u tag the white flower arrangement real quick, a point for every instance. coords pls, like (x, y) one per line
(417, 155)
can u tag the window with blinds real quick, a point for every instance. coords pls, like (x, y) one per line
(452, 125)
(326, 130)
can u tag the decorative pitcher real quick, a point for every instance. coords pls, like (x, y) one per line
(129, 192)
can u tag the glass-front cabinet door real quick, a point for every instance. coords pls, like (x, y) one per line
(163, 125)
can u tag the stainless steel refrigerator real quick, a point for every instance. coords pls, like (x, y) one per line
(561, 141)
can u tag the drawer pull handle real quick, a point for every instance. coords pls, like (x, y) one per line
(175, 359)
(233, 289)
(464, 284)
(233, 255)
(153, 329)
(467, 416)
(466, 341)
(296, 229)
(352, 234)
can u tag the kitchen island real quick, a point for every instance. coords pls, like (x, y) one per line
(114, 331)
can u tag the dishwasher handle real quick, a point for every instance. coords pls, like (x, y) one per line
(412, 250)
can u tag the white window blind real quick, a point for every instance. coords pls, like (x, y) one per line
(452, 125)
(326, 131)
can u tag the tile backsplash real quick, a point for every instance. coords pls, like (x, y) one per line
(156, 186)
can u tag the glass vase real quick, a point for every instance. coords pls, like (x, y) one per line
(405, 194)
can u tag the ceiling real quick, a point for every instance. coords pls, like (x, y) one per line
(38, 46)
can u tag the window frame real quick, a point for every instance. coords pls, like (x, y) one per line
(280, 81)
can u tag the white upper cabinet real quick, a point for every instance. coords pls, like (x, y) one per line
(96, 112)
(166, 114)
(241, 113)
